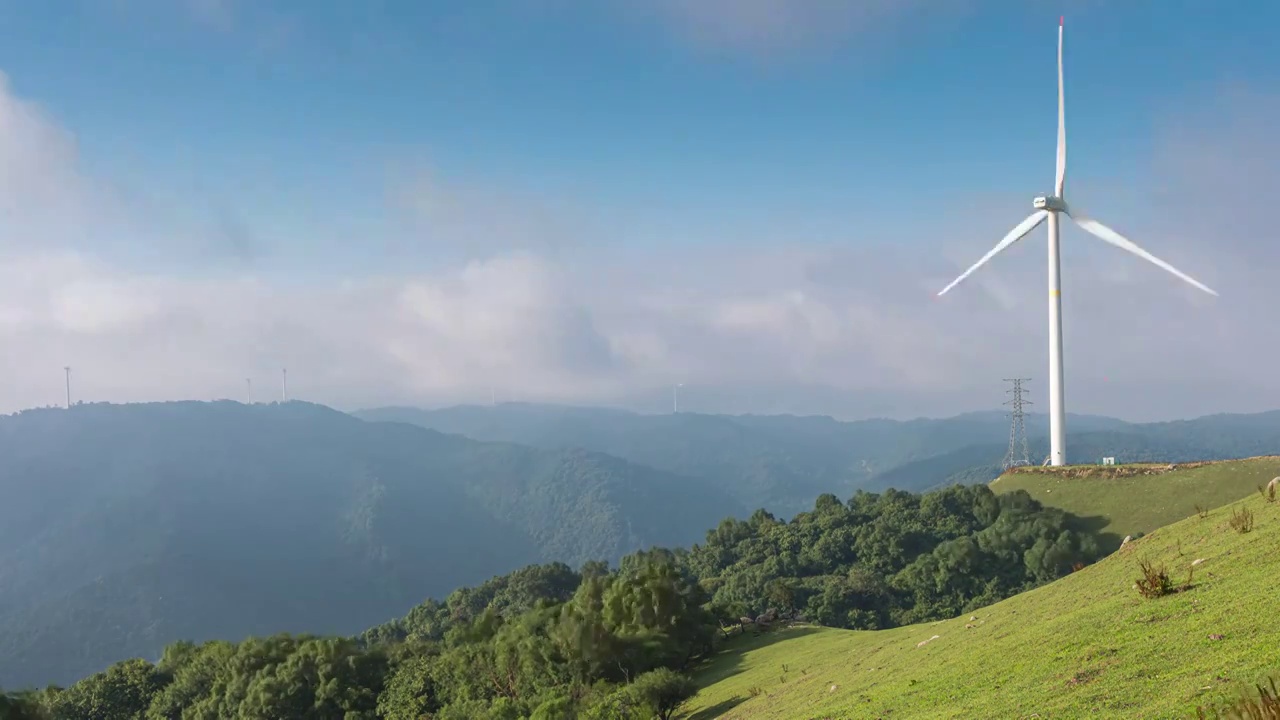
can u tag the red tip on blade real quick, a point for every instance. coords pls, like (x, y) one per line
(1060, 20)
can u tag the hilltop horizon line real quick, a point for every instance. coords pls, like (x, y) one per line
(620, 410)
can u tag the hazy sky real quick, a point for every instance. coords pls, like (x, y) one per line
(588, 201)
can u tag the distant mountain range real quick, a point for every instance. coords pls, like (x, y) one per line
(783, 462)
(127, 527)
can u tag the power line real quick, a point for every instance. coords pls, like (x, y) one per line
(1018, 453)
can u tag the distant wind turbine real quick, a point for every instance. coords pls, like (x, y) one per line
(248, 391)
(284, 385)
(67, 370)
(675, 397)
(1049, 208)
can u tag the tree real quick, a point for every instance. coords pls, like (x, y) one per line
(657, 613)
(24, 705)
(123, 692)
(782, 595)
(193, 671)
(409, 693)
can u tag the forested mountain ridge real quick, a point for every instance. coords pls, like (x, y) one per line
(126, 527)
(783, 462)
(550, 643)
(756, 468)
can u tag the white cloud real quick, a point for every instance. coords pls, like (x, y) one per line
(508, 320)
(832, 329)
(40, 193)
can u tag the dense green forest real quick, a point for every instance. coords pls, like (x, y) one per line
(126, 527)
(549, 642)
(783, 462)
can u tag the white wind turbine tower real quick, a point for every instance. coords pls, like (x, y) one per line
(1050, 208)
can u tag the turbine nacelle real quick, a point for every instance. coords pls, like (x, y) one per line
(1052, 203)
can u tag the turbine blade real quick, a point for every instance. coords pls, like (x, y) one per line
(1014, 236)
(1111, 236)
(1061, 180)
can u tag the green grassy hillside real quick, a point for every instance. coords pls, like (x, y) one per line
(1086, 646)
(1130, 499)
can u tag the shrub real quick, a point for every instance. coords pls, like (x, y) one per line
(1242, 520)
(662, 691)
(1202, 511)
(1155, 581)
(1265, 707)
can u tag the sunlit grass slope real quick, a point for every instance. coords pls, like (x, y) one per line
(1129, 499)
(1086, 646)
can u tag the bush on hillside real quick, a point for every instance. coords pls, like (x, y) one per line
(660, 692)
(1265, 707)
(1242, 520)
(1155, 581)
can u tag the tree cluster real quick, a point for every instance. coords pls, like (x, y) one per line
(887, 559)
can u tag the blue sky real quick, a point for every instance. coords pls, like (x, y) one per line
(271, 109)
(580, 136)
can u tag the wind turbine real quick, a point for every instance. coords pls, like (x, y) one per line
(1049, 208)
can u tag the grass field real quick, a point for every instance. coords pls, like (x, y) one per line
(1129, 499)
(1086, 646)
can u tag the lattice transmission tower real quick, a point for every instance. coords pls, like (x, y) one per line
(1018, 453)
